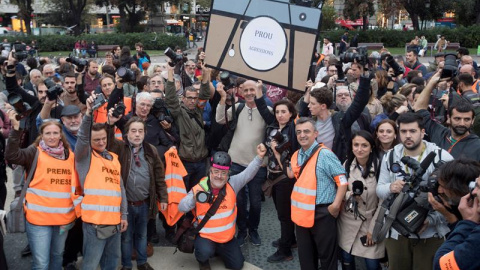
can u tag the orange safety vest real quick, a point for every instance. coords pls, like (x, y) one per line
(174, 173)
(48, 201)
(102, 192)
(476, 86)
(100, 115)
(220, 228)
(304, 191)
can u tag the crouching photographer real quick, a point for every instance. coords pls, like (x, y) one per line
(454, 180)
(462, 247)
(411, 240)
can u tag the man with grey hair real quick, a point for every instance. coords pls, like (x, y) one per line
(35, 79)
(48, 70)
(156, 82)
(324, 70)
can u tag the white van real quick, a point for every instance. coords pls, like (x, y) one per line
(4, 31)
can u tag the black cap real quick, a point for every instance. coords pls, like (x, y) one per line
(70, 110)
(440, 54)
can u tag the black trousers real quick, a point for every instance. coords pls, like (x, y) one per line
(74, 243)
(281, 193)
(319, 242)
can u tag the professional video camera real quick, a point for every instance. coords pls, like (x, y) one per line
(360, 57)
(160, 111)
(20, 52)
(79, 62)
(22, 109)
(226, 80)
(450, 67)
(126, 74)
(119, 109)
(54, 90)
(174, 57)
(415, 206)
(397, 69)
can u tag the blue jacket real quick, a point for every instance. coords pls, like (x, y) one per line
(464, 242)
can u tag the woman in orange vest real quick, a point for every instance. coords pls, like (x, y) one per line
(218, 234)
(49, 205)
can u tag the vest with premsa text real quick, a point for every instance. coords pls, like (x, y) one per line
(304, 191)
(49, 201)
(102, 191)
(220, 228)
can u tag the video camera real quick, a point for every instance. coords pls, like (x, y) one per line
(226, 80)
(126, 74)
(54, 90)
(23, 109)
(397, 69)
(99, 101)
(174, 57)
(361, 56)
(79, 62)
(415, 206)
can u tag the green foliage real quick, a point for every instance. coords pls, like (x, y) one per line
(328, 17)
(66, 43)
(465, 13)
(466, 36)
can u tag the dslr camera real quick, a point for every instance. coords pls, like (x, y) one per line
(450, 67)
(20, 52)
(99, 101)
(79, 62)
(54, 90)
(226, 80)
(160, 111)
(360, 57)
(281, 139)
(174, 57)
(397, 69)
(119, 109)
(126, 74)
(23, 109)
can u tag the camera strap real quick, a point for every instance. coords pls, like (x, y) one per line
(381, 228)
(212, 210)
(311, 155)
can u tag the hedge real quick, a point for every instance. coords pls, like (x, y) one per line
(50, 43)
(467, 36)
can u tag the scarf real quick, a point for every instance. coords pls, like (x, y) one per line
(56, 152)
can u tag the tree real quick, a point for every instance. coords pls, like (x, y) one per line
(328, 17)
(131, 11)
(467, 12)
(25, 11)
(68, 13)
(356, 9)
(418, 10)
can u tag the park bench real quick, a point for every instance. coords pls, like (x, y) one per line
(370, 46)
(105, 48)
(430, 46)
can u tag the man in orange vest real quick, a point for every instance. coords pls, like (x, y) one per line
(316, 198)
(218, 234)
(104, 204)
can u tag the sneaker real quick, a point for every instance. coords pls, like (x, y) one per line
(279, 257)
(205, 265)
(255, 238)
(241, 236)
(276, 244)
(26, 251)
(144, 266)
(71, 266)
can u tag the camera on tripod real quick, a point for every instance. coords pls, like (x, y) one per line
(361, 56)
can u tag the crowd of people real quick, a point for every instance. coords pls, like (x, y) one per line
(89, 146)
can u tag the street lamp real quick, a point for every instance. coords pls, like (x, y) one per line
(427, 4)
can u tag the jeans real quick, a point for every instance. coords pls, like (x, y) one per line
(372, 264)
(230, 252)
(136, 234)
(196, 171)
(105, 252)
(46, 244)
(249, 218)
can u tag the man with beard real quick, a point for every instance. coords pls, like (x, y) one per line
(73, 90)
(456, 139)
(92, 77)
(417, 250)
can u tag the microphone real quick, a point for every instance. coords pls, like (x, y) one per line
(426, 163)
(357, 188)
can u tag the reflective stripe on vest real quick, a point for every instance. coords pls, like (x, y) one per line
(102, 191)
(304, 191)
(220, 228)
(49, 201)
(174, 173)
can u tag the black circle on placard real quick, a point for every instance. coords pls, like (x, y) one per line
(302, 16)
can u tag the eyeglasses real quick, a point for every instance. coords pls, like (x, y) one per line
(156, 82)
(343, 95)
(250, 114)
(191, 98)
(220, 173)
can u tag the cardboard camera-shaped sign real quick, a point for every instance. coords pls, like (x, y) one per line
(271, 40)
